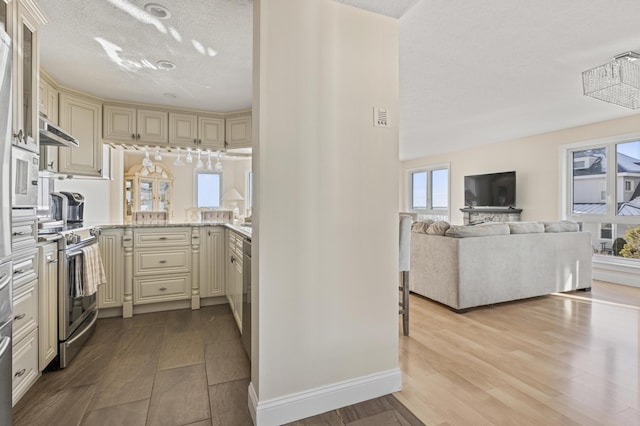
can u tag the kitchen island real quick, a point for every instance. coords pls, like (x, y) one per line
(165, 266)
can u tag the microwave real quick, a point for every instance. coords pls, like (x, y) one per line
(24, 178)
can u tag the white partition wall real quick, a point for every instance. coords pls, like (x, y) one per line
(326, 186)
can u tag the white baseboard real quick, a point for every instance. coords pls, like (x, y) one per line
(308, 403)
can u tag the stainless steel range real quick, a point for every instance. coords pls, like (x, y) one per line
(77, 312)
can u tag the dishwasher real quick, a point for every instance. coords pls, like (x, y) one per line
(246, 295)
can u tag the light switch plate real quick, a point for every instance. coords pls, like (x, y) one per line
(380, 117)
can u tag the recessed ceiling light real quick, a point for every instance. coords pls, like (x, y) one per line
(157, 10)
(170, 95)
(166, 65)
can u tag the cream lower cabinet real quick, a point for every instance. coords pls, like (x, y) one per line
(25, 369)
(111, 294)
(162, 264)
(212, 261)
(47, 304)
(81, 116)
(234, 275)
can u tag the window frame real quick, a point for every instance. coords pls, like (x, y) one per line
(566, 177)
(197, 172)
(430, 210)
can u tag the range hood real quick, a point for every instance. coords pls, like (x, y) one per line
(50, 134)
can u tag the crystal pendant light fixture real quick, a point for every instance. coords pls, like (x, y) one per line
(157, 155)
(189, 158)
(146, 161)
(209, 165)
(199, 163)
(178, 161)
(218, 166)
(616, 82)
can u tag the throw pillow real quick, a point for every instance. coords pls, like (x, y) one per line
(421, 227)
(438, 228)
(561, 226)
(486, 229)
(526, 227)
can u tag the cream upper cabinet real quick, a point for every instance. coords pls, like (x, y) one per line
(48, 100)
(211, 132)
(152, 127)
(135, 125)
(238, 131)
(183, 129)
(81, 116)
(196, 131)
(24, 30)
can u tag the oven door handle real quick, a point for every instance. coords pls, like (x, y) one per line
(87, 329)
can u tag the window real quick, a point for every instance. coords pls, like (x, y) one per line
(604, 180)
(605, 231)
(603, 192)
(429, 192)
(208, 189)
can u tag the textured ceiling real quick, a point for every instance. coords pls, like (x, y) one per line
(471, 73)
(111, 47)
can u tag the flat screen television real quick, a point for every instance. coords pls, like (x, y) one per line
(490, 190)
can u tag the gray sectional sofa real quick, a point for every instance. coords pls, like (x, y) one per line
(468, 266)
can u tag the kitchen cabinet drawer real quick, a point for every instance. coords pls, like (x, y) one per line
(24, 233)
(25, 365)
(162, 261)
(25, 311)
(162, 237)
(161, 288)
(25, 267)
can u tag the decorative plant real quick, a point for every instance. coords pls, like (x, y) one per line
(632, 248)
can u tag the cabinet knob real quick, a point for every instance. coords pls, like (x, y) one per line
(15, 234)
(53, 260)
(195, 141)
(20, 373)
(162, 261)
(19, 317)
(162, 289)
(50, 165)
(199, 141)
(138, 136)
(162, 238)
(18, 272)
(133, 136)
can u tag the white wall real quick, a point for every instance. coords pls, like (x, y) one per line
(536, 160)
(327, 217)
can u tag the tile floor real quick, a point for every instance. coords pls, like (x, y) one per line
(168, 368)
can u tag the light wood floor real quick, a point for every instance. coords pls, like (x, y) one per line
(570, 359)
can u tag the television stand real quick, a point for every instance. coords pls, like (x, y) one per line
(490, 214)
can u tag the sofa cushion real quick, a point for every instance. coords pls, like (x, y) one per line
(483, 230)
(561, 226)
(438, 228)
(421, 226)
(526, 227)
